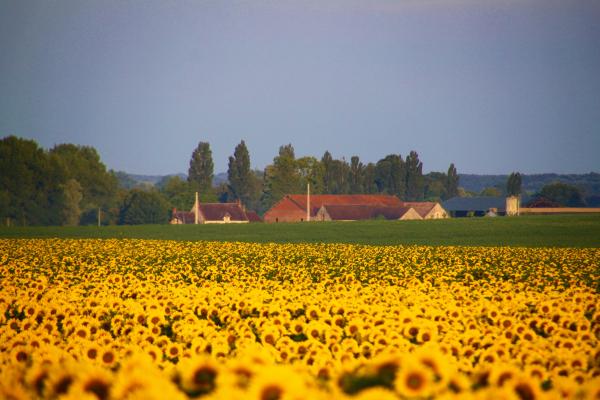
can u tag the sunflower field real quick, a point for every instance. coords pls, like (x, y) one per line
(146, 319)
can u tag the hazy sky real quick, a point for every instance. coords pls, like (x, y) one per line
(492, 85)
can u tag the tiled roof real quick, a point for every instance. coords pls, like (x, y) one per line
(360, 212)
(422, 207)
(217, 211)
(185, 217)
(253, 216)
(318, 200)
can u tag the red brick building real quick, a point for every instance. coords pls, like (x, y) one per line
(293, 207)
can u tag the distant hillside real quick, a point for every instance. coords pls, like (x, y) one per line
(589, 183)
(129, 181)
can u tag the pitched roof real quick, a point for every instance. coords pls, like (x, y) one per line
(318, 200)
(354, 212)
(422, 207)
(217, 211)
(186, 217)
(253, 216)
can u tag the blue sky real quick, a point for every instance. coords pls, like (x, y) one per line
(493, 86)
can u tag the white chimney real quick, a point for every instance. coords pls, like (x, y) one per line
(308, 201)
(196, 209)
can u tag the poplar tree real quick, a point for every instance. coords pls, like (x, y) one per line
(414, 177)
(390, 175)
(356, 175)
(282, 177)
(327, 164)
(200, 173)
(513, 184)
(240, 175)
(451, 182)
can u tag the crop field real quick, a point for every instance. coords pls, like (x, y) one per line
(525, 231)
(148, 319)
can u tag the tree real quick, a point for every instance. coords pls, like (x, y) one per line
(240, 175)
(356, 176)
(390, 175)
(30, 184)
(142, 207)
(369, 185)
(335, 175)
(451, 182)
(200, 173)
(414, 177)
(98, 185)
(513, 184)
(311, 171)
(177, 192)
(281, 177)
(72, 196)
(434, 186)
(562, 194)
(326, 164)
(339, 173)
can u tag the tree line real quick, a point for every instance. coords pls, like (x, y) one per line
(69, 185)
(259, 190)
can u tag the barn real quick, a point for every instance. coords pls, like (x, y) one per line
(349, 207)
(427, 209)
(479, 206)
(351, 212)
(300, 207)
(214, 213)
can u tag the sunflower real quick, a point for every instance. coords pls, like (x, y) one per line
(198, 375)
(239, 373)
(155, 353)
(458, 382)
(432, 357)
(20, 354)
(90, 351)
(312, 312)
(526, 389)
(59, 381)
(414, 379)
(36, 378)
(277, 382)
(270, 336)
(82, 332)
(501, 373)
(108, 357)
(93, 381)
(314, 331)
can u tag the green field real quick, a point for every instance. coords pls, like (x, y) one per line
(529, 231)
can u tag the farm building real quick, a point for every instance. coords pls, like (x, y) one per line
(482, 205)
(214, 213)
(293, 207)
(427, 209)
(351, 212)
(325, 207)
